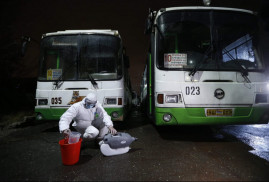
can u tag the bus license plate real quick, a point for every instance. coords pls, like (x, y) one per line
(219, 112)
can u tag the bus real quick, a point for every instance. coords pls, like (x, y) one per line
(74, 63)
(205, 66)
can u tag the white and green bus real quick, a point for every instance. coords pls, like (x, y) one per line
(205, 66)
(74, 63)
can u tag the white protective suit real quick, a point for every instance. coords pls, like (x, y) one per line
(90, 123)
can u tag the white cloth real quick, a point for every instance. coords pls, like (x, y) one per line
(83, 118)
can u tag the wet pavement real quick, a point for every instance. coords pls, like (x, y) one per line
(255, 136)
(186, 153)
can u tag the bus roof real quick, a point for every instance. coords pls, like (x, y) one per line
(75, 32)
(202, 8)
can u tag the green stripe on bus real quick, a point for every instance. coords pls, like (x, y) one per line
(150, 94)
(196, 116)
(58, 61)
(176, 42)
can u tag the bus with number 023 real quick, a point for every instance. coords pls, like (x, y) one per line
(204, 66)
(74, 63)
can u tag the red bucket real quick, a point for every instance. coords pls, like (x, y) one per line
(70, 152)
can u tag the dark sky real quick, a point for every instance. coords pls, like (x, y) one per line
(35, 17)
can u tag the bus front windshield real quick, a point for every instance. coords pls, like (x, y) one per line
(80, 57)
(208, 40)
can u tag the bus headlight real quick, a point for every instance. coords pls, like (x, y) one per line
(111, 101)
(39, 116)
(171, 98)
(167, 117)
(42, 102)
(115, 114)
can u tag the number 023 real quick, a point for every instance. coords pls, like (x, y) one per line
(192, 90)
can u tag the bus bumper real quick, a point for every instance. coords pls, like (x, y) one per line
(116, 114)
(197, 116)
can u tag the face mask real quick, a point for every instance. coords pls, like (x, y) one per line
(89, 106)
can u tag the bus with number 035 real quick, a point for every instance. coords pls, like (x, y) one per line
(74, 63)
(204, 66)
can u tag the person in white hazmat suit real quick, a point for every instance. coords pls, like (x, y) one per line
(90, 119)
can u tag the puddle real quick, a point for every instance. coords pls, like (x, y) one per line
(256, 136)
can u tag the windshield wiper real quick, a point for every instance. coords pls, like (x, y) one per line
(94, 84)
(197, 66)
(58, 83)
(243, 70)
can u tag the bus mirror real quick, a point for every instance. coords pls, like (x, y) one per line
(148, 26)
(126, 61)
(150, 21)
(25, 41)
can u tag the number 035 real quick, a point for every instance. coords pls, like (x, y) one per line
(56, 100)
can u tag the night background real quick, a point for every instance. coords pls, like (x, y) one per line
(33, 18)
(29, 148)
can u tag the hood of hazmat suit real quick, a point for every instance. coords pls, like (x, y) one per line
(116, 144)
(90, 100)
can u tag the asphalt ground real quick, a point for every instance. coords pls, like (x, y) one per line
(30, 152)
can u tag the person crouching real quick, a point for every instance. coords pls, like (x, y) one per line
(90, 119)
